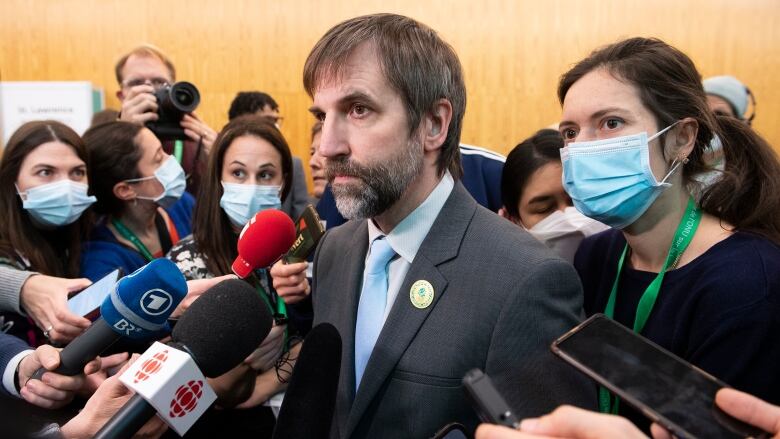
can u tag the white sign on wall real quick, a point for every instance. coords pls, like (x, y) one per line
(68, 102)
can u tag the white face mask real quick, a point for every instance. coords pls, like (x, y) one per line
(563, 231)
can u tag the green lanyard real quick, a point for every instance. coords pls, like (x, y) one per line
(682, 238)
(178, 150)
(130, 236)
(281, 308)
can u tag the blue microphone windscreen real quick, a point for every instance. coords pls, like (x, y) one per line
(140, 304)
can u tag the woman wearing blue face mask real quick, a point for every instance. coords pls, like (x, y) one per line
(249, 170)
(699, 278)
(140, 192)
(44, 179)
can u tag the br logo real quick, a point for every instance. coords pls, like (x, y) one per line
(151, 366)
(186, 399)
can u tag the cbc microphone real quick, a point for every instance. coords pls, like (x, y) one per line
(310, 399)
(269, 234)
(138, 308)
(218, 331)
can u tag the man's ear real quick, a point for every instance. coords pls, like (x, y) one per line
(437, 125)
(120, 95)
(124, 191)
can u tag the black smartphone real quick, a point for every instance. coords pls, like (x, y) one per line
(665, 388)
(488, 403)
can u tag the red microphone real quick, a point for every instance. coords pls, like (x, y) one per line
(265, 237)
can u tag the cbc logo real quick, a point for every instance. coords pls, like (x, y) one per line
(151, 366)
(186, 398)
(155, 302)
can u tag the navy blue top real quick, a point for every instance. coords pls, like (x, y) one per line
(720, 312)
(481, 177)
(103, 253)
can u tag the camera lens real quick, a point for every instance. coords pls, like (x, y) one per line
(184, 97)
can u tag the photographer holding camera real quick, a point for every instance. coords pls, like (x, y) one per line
(145, 76)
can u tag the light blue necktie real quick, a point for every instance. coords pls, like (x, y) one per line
(371, 308)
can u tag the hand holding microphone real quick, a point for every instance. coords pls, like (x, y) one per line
(217, 332)
(137, 308)
(52, 390)
(108, 398)
(290, 281)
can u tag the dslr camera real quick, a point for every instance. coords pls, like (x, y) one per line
(173, 102)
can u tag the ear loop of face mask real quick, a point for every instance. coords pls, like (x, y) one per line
(141, 197)
(676, 162)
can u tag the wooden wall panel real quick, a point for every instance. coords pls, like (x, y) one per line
(513, 51)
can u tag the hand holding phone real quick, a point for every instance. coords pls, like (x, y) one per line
(668, 390)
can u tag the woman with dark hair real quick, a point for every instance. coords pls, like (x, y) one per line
(534, 198)
(140, 192)
(249, 170)
(698, 278)
(44, 176)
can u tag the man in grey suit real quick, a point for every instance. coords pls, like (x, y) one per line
(423, 284)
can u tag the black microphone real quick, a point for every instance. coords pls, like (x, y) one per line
(219, 330)
(310, 399)
(138, 308)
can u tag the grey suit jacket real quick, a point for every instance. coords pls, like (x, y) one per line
(500, 299)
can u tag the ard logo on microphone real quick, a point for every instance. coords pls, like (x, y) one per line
(155, 302)
(151, 366)
(186, 398)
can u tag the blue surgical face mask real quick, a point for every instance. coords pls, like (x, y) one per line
(242, 201)
(171, 176)
(56, 204)
(610, 180)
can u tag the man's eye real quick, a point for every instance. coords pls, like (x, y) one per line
(359, 110)
(613, 124)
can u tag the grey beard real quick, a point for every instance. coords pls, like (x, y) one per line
(381, 185)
